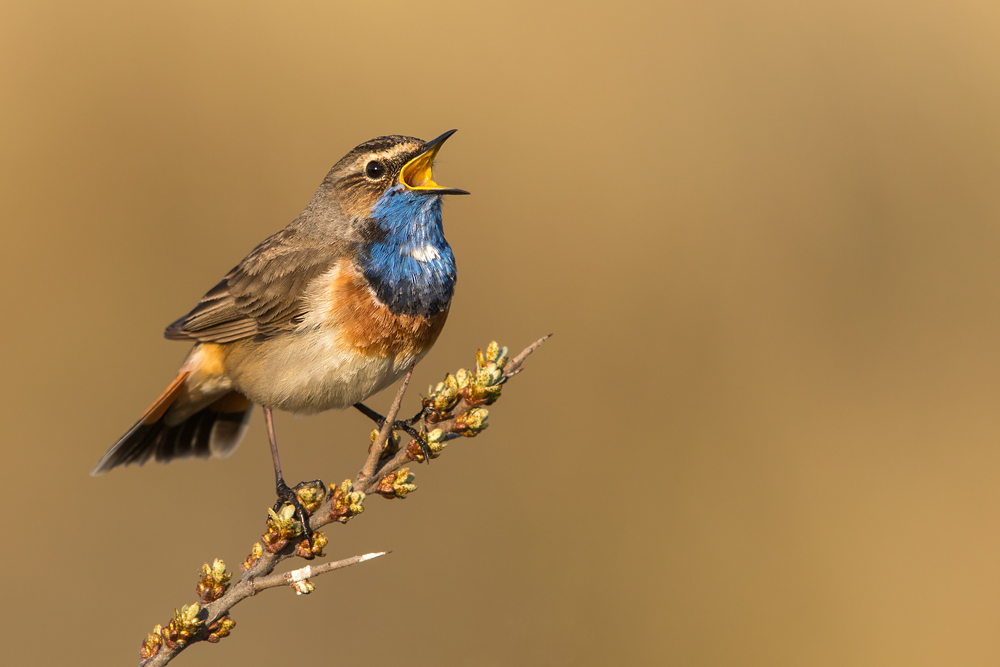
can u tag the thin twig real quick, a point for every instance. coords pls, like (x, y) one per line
(514, 365)
(383, 435)
(309, 571)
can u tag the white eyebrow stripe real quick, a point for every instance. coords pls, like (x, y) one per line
(425, 253)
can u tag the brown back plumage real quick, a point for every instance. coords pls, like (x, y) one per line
(261, 297)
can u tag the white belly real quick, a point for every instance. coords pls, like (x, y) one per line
(312, 371)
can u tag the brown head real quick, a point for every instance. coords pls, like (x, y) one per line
(360, 178)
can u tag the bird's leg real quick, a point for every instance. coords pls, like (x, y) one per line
(399, 425)
(284, 493)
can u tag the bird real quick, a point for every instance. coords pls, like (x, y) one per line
(331, 309)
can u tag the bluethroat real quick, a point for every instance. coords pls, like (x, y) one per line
(331, 309)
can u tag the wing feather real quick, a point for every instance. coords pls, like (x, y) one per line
(262, 295)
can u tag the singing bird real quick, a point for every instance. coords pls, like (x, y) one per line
(331, 309)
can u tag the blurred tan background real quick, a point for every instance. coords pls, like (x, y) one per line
(765, 234)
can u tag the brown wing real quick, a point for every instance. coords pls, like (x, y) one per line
(261, 296)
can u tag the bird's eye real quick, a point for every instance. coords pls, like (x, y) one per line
(375, 170)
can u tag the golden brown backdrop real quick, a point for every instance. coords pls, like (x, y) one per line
(765, 234)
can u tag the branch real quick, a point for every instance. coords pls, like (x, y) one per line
(452, 409)
(375, 452)
(296, 578)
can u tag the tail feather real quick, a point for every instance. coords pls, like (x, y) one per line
(215, 430)
(166, 399)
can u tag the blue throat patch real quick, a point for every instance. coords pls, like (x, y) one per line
(412, 268)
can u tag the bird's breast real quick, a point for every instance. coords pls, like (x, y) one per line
(348, 346)
(366, 324)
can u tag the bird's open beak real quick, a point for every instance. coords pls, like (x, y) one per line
(416, 174)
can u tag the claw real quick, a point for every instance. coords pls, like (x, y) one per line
(416, 435)
(417, 417)
(287, 495)
(405, 425)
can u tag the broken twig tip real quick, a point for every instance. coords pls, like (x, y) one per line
(362, 559)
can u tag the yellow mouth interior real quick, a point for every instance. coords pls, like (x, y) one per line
(416, 174)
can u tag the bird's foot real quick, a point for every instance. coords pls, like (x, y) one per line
(417, 417)
(425, 448)
(405, 425)
(289, 495)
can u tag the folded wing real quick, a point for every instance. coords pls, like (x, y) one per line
(262, 296)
